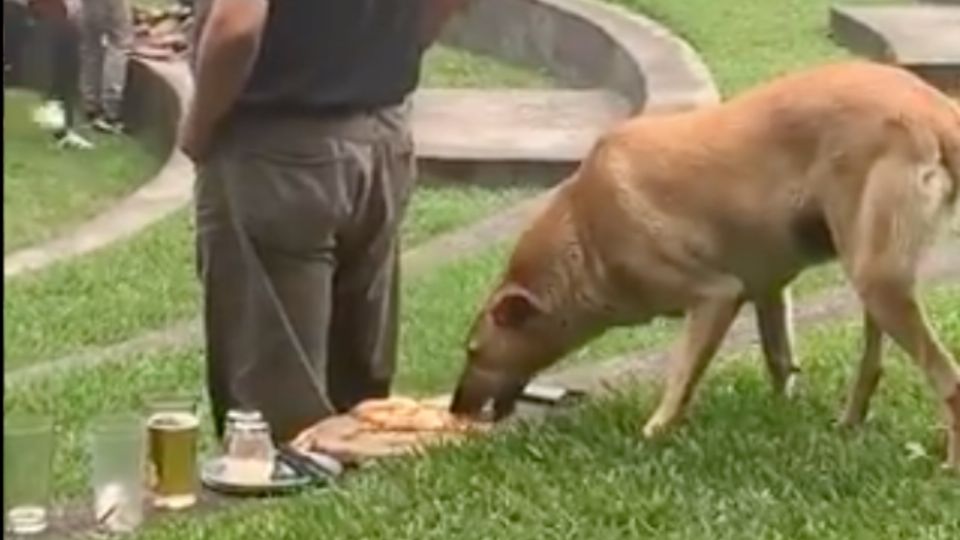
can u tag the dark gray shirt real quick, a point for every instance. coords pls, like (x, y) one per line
(335, 55)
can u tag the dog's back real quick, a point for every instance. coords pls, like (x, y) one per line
(764, 185)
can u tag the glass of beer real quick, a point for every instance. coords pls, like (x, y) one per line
(28, 444)
(173, 427)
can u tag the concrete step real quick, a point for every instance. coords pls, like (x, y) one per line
(923, 38)
(553, 126)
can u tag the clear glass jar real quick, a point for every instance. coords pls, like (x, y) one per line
(249, 454)
(236, 417)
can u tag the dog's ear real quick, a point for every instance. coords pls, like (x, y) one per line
(514, 308)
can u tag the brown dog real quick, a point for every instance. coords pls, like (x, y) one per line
(702, 211)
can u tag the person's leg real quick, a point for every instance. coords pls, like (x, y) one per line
(92, 57)
(67, 69)
(364, 327)
(45, 37)
(15, 27)
(66, 73)
(269, 203)
(119, 40)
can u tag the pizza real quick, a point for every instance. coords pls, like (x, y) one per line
(384, 427)
(404, 414)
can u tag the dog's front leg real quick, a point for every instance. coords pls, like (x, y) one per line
(775, 325)
(706, 325)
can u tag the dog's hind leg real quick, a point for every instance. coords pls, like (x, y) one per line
(775, 325)
(706, 325)
(867, 376)
(896, 220)
(895, 308)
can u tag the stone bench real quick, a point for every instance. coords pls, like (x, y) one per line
(922, 38)
(479, 136)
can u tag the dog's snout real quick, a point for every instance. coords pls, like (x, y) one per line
(478, 387)
(472, 394)
(468, 400)
(505, 401)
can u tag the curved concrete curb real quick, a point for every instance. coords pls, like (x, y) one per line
(167, 191)
(590, 44)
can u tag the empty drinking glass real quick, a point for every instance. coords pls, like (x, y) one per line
(27, 461)
(118, 455)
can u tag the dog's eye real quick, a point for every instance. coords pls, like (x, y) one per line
(473, 348)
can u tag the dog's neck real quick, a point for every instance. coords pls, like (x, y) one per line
(554, 264)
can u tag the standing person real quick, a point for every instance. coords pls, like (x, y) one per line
(107, 41)
(60, 20)
(305, 159)
(16, 26)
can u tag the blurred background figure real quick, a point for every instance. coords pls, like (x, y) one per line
(59, 19)
(107, 38)
(16, 27)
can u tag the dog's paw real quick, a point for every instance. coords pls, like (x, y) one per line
(657, 426)
(793, 386)
(788, 384)
(848, 422)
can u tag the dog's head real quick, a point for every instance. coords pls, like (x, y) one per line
(515, 335)
(542, 309)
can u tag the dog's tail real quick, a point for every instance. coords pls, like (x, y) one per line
(950, 157)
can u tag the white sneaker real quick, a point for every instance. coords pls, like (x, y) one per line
(73, 141)
(103, 125)
(50, 116)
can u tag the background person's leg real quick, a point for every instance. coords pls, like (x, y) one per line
(15, 31)
(65, 80)
(119, 41)
(92, 53)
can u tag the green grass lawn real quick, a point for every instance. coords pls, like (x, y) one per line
(745, 42)
(746, 466)
(46, 190)
(455, 68)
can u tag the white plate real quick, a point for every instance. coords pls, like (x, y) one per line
(284, 480)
